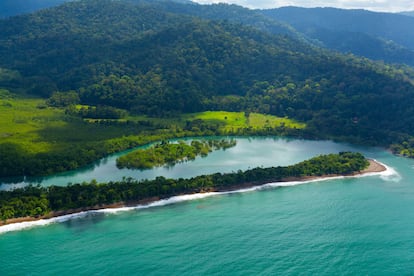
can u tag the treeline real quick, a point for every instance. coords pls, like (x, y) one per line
(97, 112)
(39, 201)
(166, 153)
(405, 147)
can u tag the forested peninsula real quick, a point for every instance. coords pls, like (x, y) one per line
(32, 203)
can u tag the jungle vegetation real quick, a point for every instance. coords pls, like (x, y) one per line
(92, 77)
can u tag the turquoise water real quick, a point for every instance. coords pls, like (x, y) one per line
(333, 227)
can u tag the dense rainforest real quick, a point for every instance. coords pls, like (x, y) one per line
(38, 201)
(99, 63)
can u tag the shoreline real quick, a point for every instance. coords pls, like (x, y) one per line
(374, 167)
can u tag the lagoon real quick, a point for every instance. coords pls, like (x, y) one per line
(248, 153)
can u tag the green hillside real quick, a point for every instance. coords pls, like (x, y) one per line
(131, 72)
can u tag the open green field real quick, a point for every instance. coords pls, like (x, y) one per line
(237, 120)
(22, 122)
(260, 120)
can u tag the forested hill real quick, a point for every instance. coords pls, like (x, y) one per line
(138, 57)
(382, 36)
(231, 13)
(10, 8)
(143, 59)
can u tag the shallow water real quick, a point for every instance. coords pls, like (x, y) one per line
(342, 226)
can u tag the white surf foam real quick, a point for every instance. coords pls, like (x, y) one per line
(42, 222)
(388, 174)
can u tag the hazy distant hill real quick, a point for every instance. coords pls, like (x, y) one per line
(382, 36)
(16, 7)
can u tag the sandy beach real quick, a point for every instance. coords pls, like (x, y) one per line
(374, 167)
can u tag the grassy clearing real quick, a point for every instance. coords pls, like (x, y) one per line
(260, 120)
(22, 119)
(233, 119)
(226, 120)
(236, 120)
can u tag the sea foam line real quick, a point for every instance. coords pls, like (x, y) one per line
(388, 174)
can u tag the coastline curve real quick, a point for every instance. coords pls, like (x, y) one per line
(375, 168)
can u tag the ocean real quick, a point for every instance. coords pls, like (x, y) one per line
(344, 226)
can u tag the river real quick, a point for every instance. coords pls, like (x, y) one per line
(344, 226)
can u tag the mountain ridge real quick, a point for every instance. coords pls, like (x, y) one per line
(390, 35)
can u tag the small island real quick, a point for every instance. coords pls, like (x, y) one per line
(33, 203)
(166, 153)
